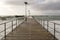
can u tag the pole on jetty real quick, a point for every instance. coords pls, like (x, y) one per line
(54, 31)
(29, 12)
(25, 10)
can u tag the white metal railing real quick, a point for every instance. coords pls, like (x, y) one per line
(50, 28)
(9, 26)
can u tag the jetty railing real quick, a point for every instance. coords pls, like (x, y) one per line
(9, 26)
(42, 22)
(54, 27)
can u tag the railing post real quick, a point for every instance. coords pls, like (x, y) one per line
(12, 26)
(40, 21)
(54, 30)
(43, 23)
(47, 25)
(16, 23)
(4, 31)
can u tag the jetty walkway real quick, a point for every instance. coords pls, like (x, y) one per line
(29, 30)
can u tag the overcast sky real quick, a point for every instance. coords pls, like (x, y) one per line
(36, 7)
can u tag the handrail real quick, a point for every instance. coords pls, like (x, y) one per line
(55, 23)
(7, 22)
(43, 24)
(55, 30)
(5, 26)
(51, 27)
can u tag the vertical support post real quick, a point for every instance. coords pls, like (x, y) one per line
(54, 30)
(26, 10)
(41, 21)
(47, 25)
(16, 23)
(4, 31)
(43, 24)
(12, 26)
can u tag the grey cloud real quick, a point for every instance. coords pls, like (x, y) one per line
(49, 6)
(52, 6)
(35, 5)
(15, 2)
(19, 2)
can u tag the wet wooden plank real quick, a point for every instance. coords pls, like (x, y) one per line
(29, 30)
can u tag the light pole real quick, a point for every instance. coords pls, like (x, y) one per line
(25, 10)
(29, 12)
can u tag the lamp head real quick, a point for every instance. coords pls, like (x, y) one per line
(25, 2)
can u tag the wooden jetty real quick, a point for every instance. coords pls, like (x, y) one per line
(29, 30)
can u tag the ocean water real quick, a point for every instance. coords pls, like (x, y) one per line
(8, 26)
(50, 24)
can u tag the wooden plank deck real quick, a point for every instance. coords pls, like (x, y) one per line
(30, 30)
